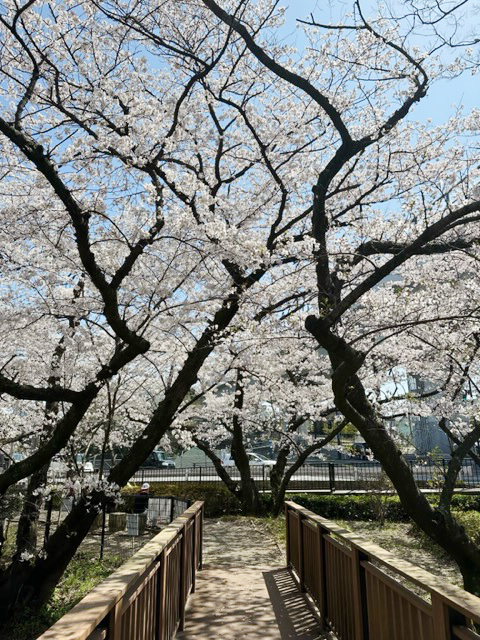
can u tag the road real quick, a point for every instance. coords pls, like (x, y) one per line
(337, 473)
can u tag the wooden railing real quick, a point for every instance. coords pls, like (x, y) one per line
(360, 591)
(145, 598)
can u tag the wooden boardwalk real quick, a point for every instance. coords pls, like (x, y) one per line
(244, 590)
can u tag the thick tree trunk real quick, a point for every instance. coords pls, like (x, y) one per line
(23, 582)
(278, 485)
(351, 400)
(437, 523)
(245, 491)
(249, 495)
(30, 583)
(252, 503)
(27, 531)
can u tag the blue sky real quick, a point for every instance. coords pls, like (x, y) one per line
(443, 98)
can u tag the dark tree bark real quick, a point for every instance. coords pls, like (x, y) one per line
(246, 491)
(352, 401)
(280, 476)
(31, 583)
(252, 503)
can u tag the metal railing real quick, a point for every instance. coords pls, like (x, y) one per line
(364, 592)
(145, 598)
(327, 476)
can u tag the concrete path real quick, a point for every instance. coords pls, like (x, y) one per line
(244, 591)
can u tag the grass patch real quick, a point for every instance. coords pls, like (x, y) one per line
(406, 542)
(276, 527)
(83, 574)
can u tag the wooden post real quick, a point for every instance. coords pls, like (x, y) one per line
(359, 590)
(194, 544)
(441, 619)
(287, 535)
(322, 603)
(183, 577)
(301, 561)
(161, 598)
(115, 621)
(444, 618)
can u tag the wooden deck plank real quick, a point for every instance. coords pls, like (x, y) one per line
(244, 591)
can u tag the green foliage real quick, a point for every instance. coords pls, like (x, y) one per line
(379, 496)
(352, 507)
(363, 507)
(461, 502)
(470, 520)
(218, 499)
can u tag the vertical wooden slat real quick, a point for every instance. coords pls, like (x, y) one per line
(441, 619)
(322, 601)
(183, 580)
(115, 622)
(301, 558)
(202, 518)
(148, 607)
(287, 537)
(161, 597)
(124, 625)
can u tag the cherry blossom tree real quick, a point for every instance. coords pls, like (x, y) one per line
(263, 382)
(139, 215)
(158, 162)
(392, 200)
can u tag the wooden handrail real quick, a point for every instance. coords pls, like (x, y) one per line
(452, 609)
(102, 609)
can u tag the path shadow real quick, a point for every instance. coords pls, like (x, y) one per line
(294, 617)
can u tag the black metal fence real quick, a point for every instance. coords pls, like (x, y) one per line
(328, 476)
(111, 531)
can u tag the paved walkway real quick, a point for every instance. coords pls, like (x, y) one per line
(244, 591)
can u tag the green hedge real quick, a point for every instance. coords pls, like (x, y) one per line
(367, 507)
(351, 507)
(462, 502)
(218, 499)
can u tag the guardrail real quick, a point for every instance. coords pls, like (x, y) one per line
(355, 585)
(145, 598)
(327, 476)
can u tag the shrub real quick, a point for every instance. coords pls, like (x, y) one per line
(471, 521)
(462, 502)
(352, 507)
(363, 508)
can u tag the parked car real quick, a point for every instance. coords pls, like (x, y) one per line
(158, 459)
(109, 461)
(83, 464)
(254, 460)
